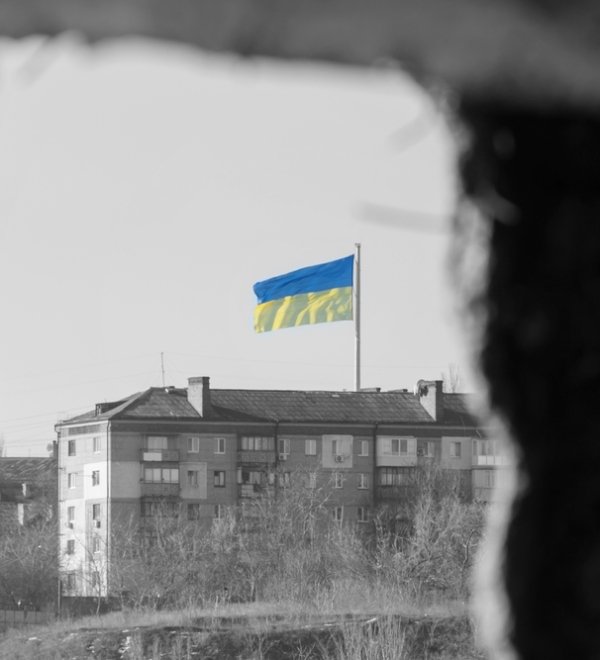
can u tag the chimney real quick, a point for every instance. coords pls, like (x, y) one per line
(198, 394)
(431, 396)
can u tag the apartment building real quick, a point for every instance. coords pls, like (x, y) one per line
(195, 451)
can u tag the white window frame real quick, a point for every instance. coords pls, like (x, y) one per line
(70, 549)
(220, 445)
(363, 481)
(283, 446)
(338, 480)
(310, 447)
(312, 480)
(192, 479)
(96, 544)
(364, 448)
(362, 515)
(97, 444)
(219, 478)
(338, 514)
(455, 449)
(71, 480)
(95, 477)
(219, 512)
(71, 447)
(193, 444)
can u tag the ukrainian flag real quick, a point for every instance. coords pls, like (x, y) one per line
(315, 294)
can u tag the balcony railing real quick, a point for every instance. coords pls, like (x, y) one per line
(149, 489)
(250, 491)
(261, 457)
(165, 455)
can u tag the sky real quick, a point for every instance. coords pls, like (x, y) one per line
(145, 187)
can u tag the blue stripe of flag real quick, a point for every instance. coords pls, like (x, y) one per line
(330, 275)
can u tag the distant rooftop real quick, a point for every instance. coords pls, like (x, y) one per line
(30, 470)
(235, 405)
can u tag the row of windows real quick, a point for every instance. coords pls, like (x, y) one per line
(96, 545)
(390, 446)
(72, 478)
(96, 446)
(193, 511)
(247, 443)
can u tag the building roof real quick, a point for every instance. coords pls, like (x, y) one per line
(294, 406)
(458, 410)
(27, 470)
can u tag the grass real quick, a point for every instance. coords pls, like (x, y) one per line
(263, 630)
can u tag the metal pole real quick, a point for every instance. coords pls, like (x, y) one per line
(357, 317)
(162, 368)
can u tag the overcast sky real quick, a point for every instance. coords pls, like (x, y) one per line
(145, 188)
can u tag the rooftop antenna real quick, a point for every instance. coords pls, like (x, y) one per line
(162, 367)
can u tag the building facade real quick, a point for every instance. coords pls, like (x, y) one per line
(195, 451)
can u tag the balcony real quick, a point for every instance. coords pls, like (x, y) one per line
(165, 455)
(489, 459)
(149, 489)
(256, 457)
(252, 491)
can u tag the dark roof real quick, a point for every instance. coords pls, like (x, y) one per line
(27, 470)
(459, 410)
(303, 406)
(396, 407)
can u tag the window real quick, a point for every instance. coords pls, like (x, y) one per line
(334, 447)
(161, 475)
(95, 477)
(96, 543)
(284, 446)
(429, 449)
(338, 480)
(159, 508)
(403, 446)
(485, 447)
(193, 511)
(364, 448)
(249, 476)
(395, 446)
(219, 511)
(70, 516)
(455, 449)
(71, 479)
(70, 582)
(219, 476)
(312, 480)
(96, 511)
(97, 444)
(71, 448)
(257, 443)
(363, 480)
(338, 513)
(192, 478)
(362, 514)
(156, 442)
(193, 445)
(284, 479)
(70, 547)
(393, 476)
(219, 445)
(310, 447)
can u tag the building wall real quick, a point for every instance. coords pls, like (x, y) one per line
(78, 492)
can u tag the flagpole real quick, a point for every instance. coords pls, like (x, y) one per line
(357, 317)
